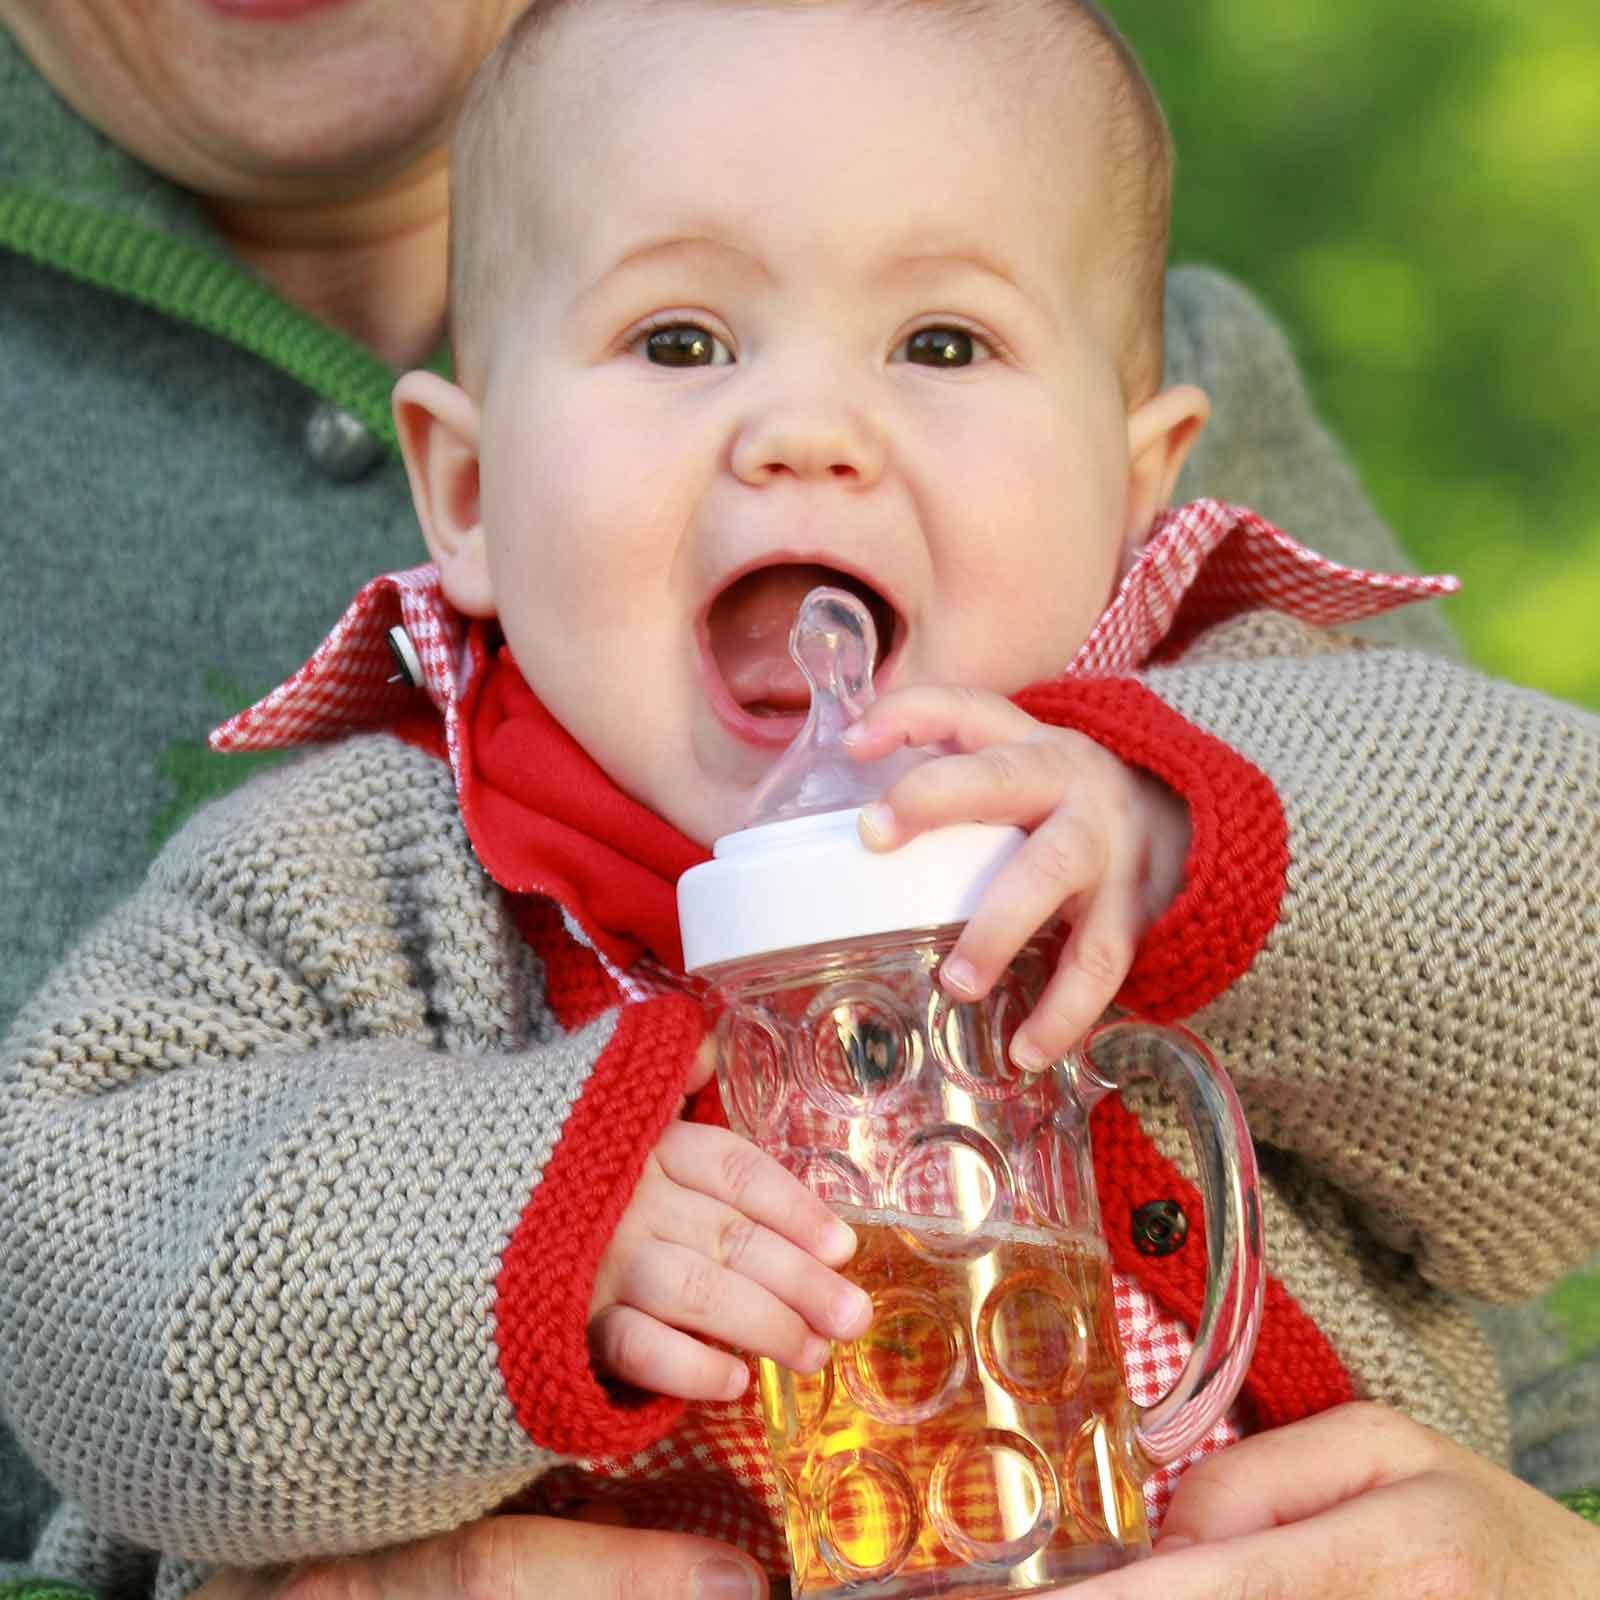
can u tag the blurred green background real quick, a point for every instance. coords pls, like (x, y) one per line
(1413, 186)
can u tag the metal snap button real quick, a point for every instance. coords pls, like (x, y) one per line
(1159, 1228)
(342, 447)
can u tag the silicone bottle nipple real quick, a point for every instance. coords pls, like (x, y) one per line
(834, 643)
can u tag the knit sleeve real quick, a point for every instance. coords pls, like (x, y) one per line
(1421, 1025)
(307, 1187)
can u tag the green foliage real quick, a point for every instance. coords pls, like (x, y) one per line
(194, 773)
(1575, 1304)
(1415, 189)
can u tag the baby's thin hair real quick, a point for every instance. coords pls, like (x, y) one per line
(1140, 150)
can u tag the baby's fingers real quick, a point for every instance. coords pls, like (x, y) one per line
(1094, 962)
(1065, 858)
(630, 1345)
(933, 714)
(1017, 782)
(718, 1163)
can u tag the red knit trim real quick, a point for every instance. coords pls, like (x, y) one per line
(1236, 873)
(1295, 1372)
(547, 1274)
(576, 984)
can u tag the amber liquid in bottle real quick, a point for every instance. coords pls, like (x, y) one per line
(978, 1439)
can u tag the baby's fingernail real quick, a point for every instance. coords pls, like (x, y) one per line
(1026, 1055)
(838, 1240)
(813, 1355)
(851, 1309)
(959, 976)
(738, 1379)
(722, 1579)
(877, 823)
(854, 734)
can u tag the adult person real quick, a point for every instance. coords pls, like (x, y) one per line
(222, 230)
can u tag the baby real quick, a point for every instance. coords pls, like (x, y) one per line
(388, 1214)
(808, 340)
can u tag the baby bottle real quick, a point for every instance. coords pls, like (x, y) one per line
(979, 1438)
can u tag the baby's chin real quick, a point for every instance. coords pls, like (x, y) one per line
(704, 812)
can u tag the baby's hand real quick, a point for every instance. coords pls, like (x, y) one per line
(1106, 850)
(720, 1240)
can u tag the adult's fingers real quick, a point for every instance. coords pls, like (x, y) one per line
(1260, 1482)
(518, 1558)
(1358, 1502)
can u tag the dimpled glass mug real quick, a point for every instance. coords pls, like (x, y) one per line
(979, 1438)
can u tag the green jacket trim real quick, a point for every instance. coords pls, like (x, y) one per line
(186, 281)
(41, 1589)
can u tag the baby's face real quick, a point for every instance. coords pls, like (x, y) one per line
(815, 294)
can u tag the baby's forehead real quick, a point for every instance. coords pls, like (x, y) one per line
(1039, 89)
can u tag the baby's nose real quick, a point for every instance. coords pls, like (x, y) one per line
(809, 438)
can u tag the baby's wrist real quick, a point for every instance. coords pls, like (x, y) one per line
(1167, 831)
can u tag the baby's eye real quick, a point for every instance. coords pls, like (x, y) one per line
(683, 344)
(944, 347)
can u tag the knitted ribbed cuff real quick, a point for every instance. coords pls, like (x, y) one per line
(547, 1275)
(1586, 1502)
(1236, 872)
(41, 1589)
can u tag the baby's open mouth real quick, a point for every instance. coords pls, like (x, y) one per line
(747, 630)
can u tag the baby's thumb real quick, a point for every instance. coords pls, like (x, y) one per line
(702, 1067)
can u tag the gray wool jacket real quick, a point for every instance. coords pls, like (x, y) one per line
(198, 478)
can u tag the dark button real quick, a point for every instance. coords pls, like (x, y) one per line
(1159, 1228)
(343, 447)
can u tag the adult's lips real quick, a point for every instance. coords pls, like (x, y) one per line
(747, 633)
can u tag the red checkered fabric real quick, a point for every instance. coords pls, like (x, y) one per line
(1154, 1349)
(1204, 562)
(351, 683)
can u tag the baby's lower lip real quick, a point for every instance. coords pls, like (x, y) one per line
(765, 729)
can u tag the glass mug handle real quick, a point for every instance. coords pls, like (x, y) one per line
(1126, 1051)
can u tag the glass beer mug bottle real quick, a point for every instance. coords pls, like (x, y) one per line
(979, 1439)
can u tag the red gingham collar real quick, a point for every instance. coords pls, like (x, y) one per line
(1203, 563)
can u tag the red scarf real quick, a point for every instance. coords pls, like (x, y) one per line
(544, 819)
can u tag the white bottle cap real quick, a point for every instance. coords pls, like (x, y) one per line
(810, 880)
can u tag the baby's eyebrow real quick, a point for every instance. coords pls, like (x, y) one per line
(673, 247)
(971, 258)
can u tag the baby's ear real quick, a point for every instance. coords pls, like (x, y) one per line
(437, 423)
(1161, 432)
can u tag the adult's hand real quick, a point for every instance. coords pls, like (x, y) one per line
(1355, 1503)
(516, 1558)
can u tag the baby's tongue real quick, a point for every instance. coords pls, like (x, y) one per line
(748, 630)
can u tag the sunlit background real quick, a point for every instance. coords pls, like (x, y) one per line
(1413, 187)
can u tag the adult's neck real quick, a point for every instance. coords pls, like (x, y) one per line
(372, 265)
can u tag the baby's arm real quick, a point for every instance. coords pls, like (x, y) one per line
(719, 1240)
(305, 1188)
(1408, 999)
